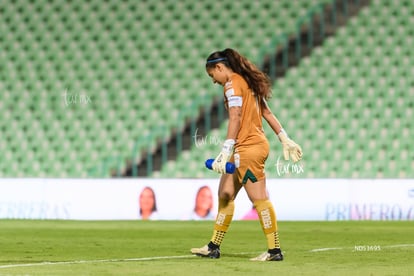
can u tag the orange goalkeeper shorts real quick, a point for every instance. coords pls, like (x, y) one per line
(250, 162)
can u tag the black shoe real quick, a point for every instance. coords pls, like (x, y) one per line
(266, 256)
(205, 251)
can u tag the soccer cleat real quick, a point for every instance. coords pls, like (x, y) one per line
(266, 256)
(205, 251)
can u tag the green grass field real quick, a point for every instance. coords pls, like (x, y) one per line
(162, 248)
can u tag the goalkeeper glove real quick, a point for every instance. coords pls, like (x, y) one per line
(290, 148)
(219, 164)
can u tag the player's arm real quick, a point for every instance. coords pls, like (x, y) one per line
(290, 148)
(235, 102)
(234, 122)
(271, 119)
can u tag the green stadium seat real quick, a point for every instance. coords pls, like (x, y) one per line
(337, 85)
(137, 69)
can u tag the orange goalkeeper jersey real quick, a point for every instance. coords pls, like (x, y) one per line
(237, 93)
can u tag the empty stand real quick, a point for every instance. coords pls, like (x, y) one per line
(95, 78)
(87, 87)
(349, 104)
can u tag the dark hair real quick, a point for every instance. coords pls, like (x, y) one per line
(257, 81)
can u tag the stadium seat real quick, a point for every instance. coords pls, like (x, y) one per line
(355, 95)
(141, 64)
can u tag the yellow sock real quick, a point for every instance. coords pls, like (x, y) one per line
(268, 221)
(223, 220)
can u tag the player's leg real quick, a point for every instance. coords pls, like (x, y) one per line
(253, 178)
(257, 193)
(228, 190)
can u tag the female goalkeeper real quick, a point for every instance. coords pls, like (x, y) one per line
(246, 90)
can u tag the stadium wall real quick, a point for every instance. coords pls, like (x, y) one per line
(118, 199)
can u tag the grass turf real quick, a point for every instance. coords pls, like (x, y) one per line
(162, 248)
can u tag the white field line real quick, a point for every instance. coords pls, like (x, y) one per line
(326, 249)
(167, 257)
(109, 260)
(98, 261)
(399, 245)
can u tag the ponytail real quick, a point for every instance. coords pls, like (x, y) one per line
(257, 81)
